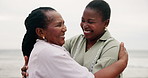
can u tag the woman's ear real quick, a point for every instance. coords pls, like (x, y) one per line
(107, 22)
(40, 32)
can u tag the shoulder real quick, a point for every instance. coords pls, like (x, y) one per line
(110, 43)
(113, 42)
(111, 48)
(73, 40)
(42, 48)
(109, 40)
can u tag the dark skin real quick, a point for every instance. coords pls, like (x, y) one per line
(93, 26)
(25, 67)
(116, 68)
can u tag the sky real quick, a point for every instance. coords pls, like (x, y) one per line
(128, 23)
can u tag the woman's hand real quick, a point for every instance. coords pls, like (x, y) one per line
(123, 55)
(25, 67)
(114, 70)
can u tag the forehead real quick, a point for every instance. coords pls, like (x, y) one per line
(54, 16)
(88, 12)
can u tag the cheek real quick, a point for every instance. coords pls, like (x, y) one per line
(81, 24)
(56, 35)
(94, 27)
(50, 35)
(99, 26)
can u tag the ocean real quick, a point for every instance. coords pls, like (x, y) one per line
(12, 60)
(137, 64)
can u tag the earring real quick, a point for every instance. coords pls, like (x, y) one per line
(105, 28)
(43, 37)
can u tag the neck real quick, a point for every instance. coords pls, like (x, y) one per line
(91, 42)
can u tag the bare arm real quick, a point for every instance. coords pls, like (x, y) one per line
(116, 68)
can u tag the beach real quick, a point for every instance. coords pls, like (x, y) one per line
(12, 60)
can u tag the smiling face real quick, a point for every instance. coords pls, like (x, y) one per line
(92, 25)
(55, 31)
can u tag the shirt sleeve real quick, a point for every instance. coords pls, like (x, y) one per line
(67, 45)
(72, 42)
(108, 56)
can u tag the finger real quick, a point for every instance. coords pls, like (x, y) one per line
(26, 60)
(121, 52)
(27, 74)
(23, 73)
(24, 68)
(122, 46)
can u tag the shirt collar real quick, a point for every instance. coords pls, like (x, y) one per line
(55, 45)
(105, 36)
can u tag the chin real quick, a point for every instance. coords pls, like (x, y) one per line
(87, 37)
(62, 43)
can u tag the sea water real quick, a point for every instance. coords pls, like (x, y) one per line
(10, 63)
(12, 60)
(137, 64)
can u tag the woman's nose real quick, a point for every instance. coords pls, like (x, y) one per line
(64, 28)
(85, 25)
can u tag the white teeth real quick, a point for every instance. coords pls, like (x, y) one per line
(87, 31)
(61, 36)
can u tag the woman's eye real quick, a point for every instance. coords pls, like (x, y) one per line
(91, 22)
(59, 25)
(83, 21)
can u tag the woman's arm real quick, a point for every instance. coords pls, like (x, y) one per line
(111, 71)
(116, 68)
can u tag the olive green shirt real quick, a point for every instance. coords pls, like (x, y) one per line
(102, 54)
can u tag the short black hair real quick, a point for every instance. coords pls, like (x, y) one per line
(101, 7)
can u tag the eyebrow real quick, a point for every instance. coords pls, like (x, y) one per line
(90, 18)
(59, 22)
